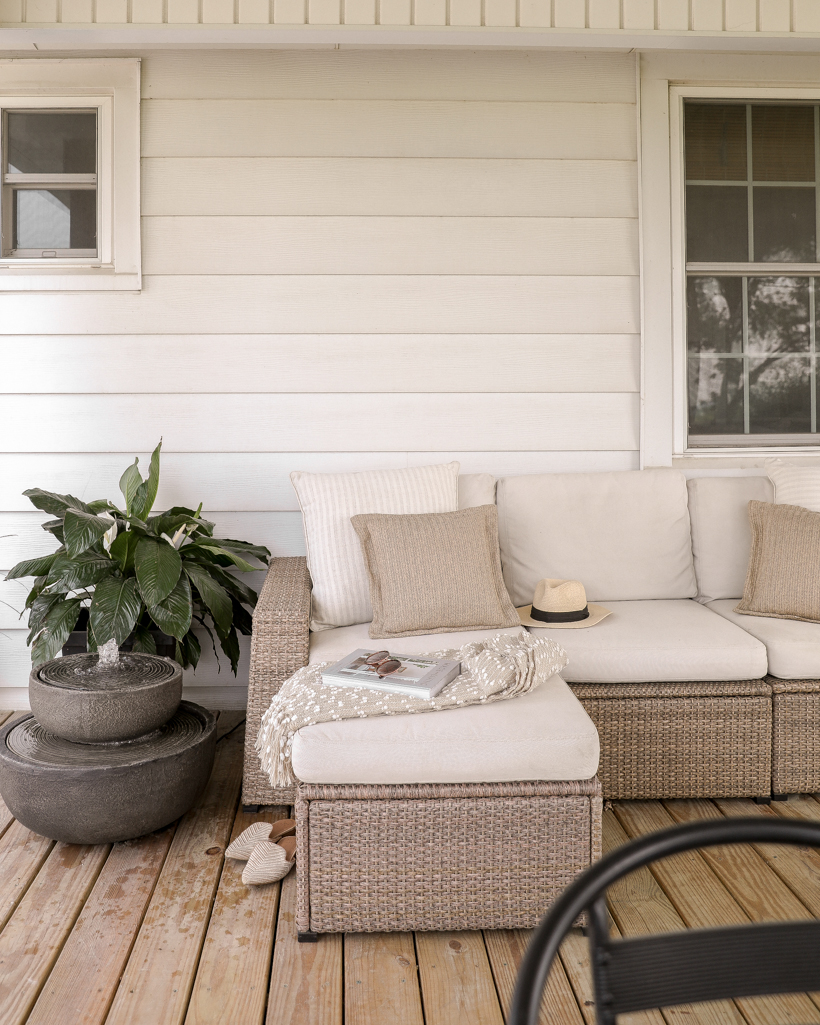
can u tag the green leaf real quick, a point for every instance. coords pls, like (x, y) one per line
(53, 503)
(242, 619)
(238, 588)
(82, 530)
(58, 624)
(36, 590)
(230, 645)
(115, 609)
(129, 483)
(82, 571)
(214, 547)
(190, 648)
(158, 567)
(102, 505)
(123, 548)
(173, 615)
(33, 567)
(147, 491)
(244, 548)
(54, 527)
(143, 641)
(40, 608)
(215, 597)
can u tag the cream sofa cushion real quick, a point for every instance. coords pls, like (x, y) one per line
(331, 645)
(659, 641)
(793, 647)
(543, 735)
(721, 535)
(794, 483)
(341, 595)
(625, 536)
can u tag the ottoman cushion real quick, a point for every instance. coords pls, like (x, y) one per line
(793, 647)
(543, 735)
(660, 642)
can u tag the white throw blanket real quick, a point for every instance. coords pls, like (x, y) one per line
(492, 670)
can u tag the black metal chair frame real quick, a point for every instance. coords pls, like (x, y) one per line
(684, 967)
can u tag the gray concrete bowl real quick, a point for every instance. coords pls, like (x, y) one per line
(103, 793)
(73, 699)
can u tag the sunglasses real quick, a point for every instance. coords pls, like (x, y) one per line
(381, 663)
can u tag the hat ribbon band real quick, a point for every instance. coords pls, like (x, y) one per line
(560, 617)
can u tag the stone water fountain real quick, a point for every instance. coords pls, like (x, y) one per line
(109, 751)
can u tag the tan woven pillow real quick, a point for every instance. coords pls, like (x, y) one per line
(783, 579)
(434, 572)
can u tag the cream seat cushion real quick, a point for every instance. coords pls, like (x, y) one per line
(660, 641)
(543, 735)
(793, 647)
(331, 645)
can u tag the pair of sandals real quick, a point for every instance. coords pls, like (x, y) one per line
(268, 848)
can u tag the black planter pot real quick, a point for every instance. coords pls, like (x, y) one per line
(77, 643)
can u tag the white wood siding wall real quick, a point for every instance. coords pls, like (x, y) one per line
(351, 260)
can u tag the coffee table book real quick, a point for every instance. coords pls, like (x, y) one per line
(415, 675)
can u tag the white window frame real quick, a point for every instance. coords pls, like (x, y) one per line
(666, 81)
(111, 86)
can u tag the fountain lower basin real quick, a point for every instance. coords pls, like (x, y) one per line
(104, 793)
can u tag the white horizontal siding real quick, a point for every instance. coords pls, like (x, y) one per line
(352, 260)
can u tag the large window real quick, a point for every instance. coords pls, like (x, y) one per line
(752, 174)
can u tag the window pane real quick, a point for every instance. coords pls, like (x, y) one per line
(784, 226)
(715, 395)
(715, 141)
(779, 395)
(779, 315)
(49, 143)
(783, 144)
(55, 219)
(716, 224)
(714, 314)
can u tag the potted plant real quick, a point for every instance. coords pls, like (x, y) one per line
(132, 573)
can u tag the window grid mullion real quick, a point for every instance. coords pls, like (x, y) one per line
(749, 187)
(745, 305)
(813, 349)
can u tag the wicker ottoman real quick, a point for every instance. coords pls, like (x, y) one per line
(796, 736)
(665, 740)
(439, 856)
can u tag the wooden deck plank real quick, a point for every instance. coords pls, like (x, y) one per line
(381, 979)
(306, 978)
(456, 981)
(22, 853)
(639, 906)
(84, 980)
(703, 901)
(758, 890)
(157, 981)
(506, 949)
(35, 933)
(231, 982)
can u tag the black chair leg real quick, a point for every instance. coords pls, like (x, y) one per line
(780, 797)
(763, 800)
(251, 809)
(308, 937)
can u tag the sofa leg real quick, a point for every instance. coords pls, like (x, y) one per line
(251, 809)
(308, 937)
(763, 800)
(780, 797)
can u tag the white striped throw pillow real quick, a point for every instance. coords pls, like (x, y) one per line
(341, 591)
(795, 484)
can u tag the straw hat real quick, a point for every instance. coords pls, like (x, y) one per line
(561, 605)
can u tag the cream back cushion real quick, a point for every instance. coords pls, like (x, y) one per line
(795, 484)
(625, 536)
(721, 536)
(341, 594)
(475, 489)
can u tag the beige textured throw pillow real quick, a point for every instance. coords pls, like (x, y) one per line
(783, 580)
(434, 573)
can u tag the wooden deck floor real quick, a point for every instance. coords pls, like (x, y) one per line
(161, 931)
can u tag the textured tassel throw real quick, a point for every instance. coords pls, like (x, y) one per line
(492, 670)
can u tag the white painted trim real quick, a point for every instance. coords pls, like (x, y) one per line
(112, 86)
(664, 427)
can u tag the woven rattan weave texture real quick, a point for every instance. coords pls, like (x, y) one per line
(440, 857)
(664, 740)
(279, 647)
(795, 736)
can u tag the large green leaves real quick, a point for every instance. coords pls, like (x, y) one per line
(82, 571)
(211, 549)
(215, 597)
(32, 567)
(173, 615)
(157, 566)
(140, 494)
(129, 485)
(53, 503)
(57, 625)
(123, 549)
(115, 609)
(82, 530)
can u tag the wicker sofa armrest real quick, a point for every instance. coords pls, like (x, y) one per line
(279, 646)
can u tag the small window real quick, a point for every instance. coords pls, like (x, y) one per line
(753, 272)
(50, 183)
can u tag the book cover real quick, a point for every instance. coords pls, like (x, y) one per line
(393, 673)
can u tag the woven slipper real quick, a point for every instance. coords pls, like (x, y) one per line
(270, 862)
(243, 845)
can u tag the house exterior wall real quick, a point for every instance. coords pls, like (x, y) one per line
(351, 259)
